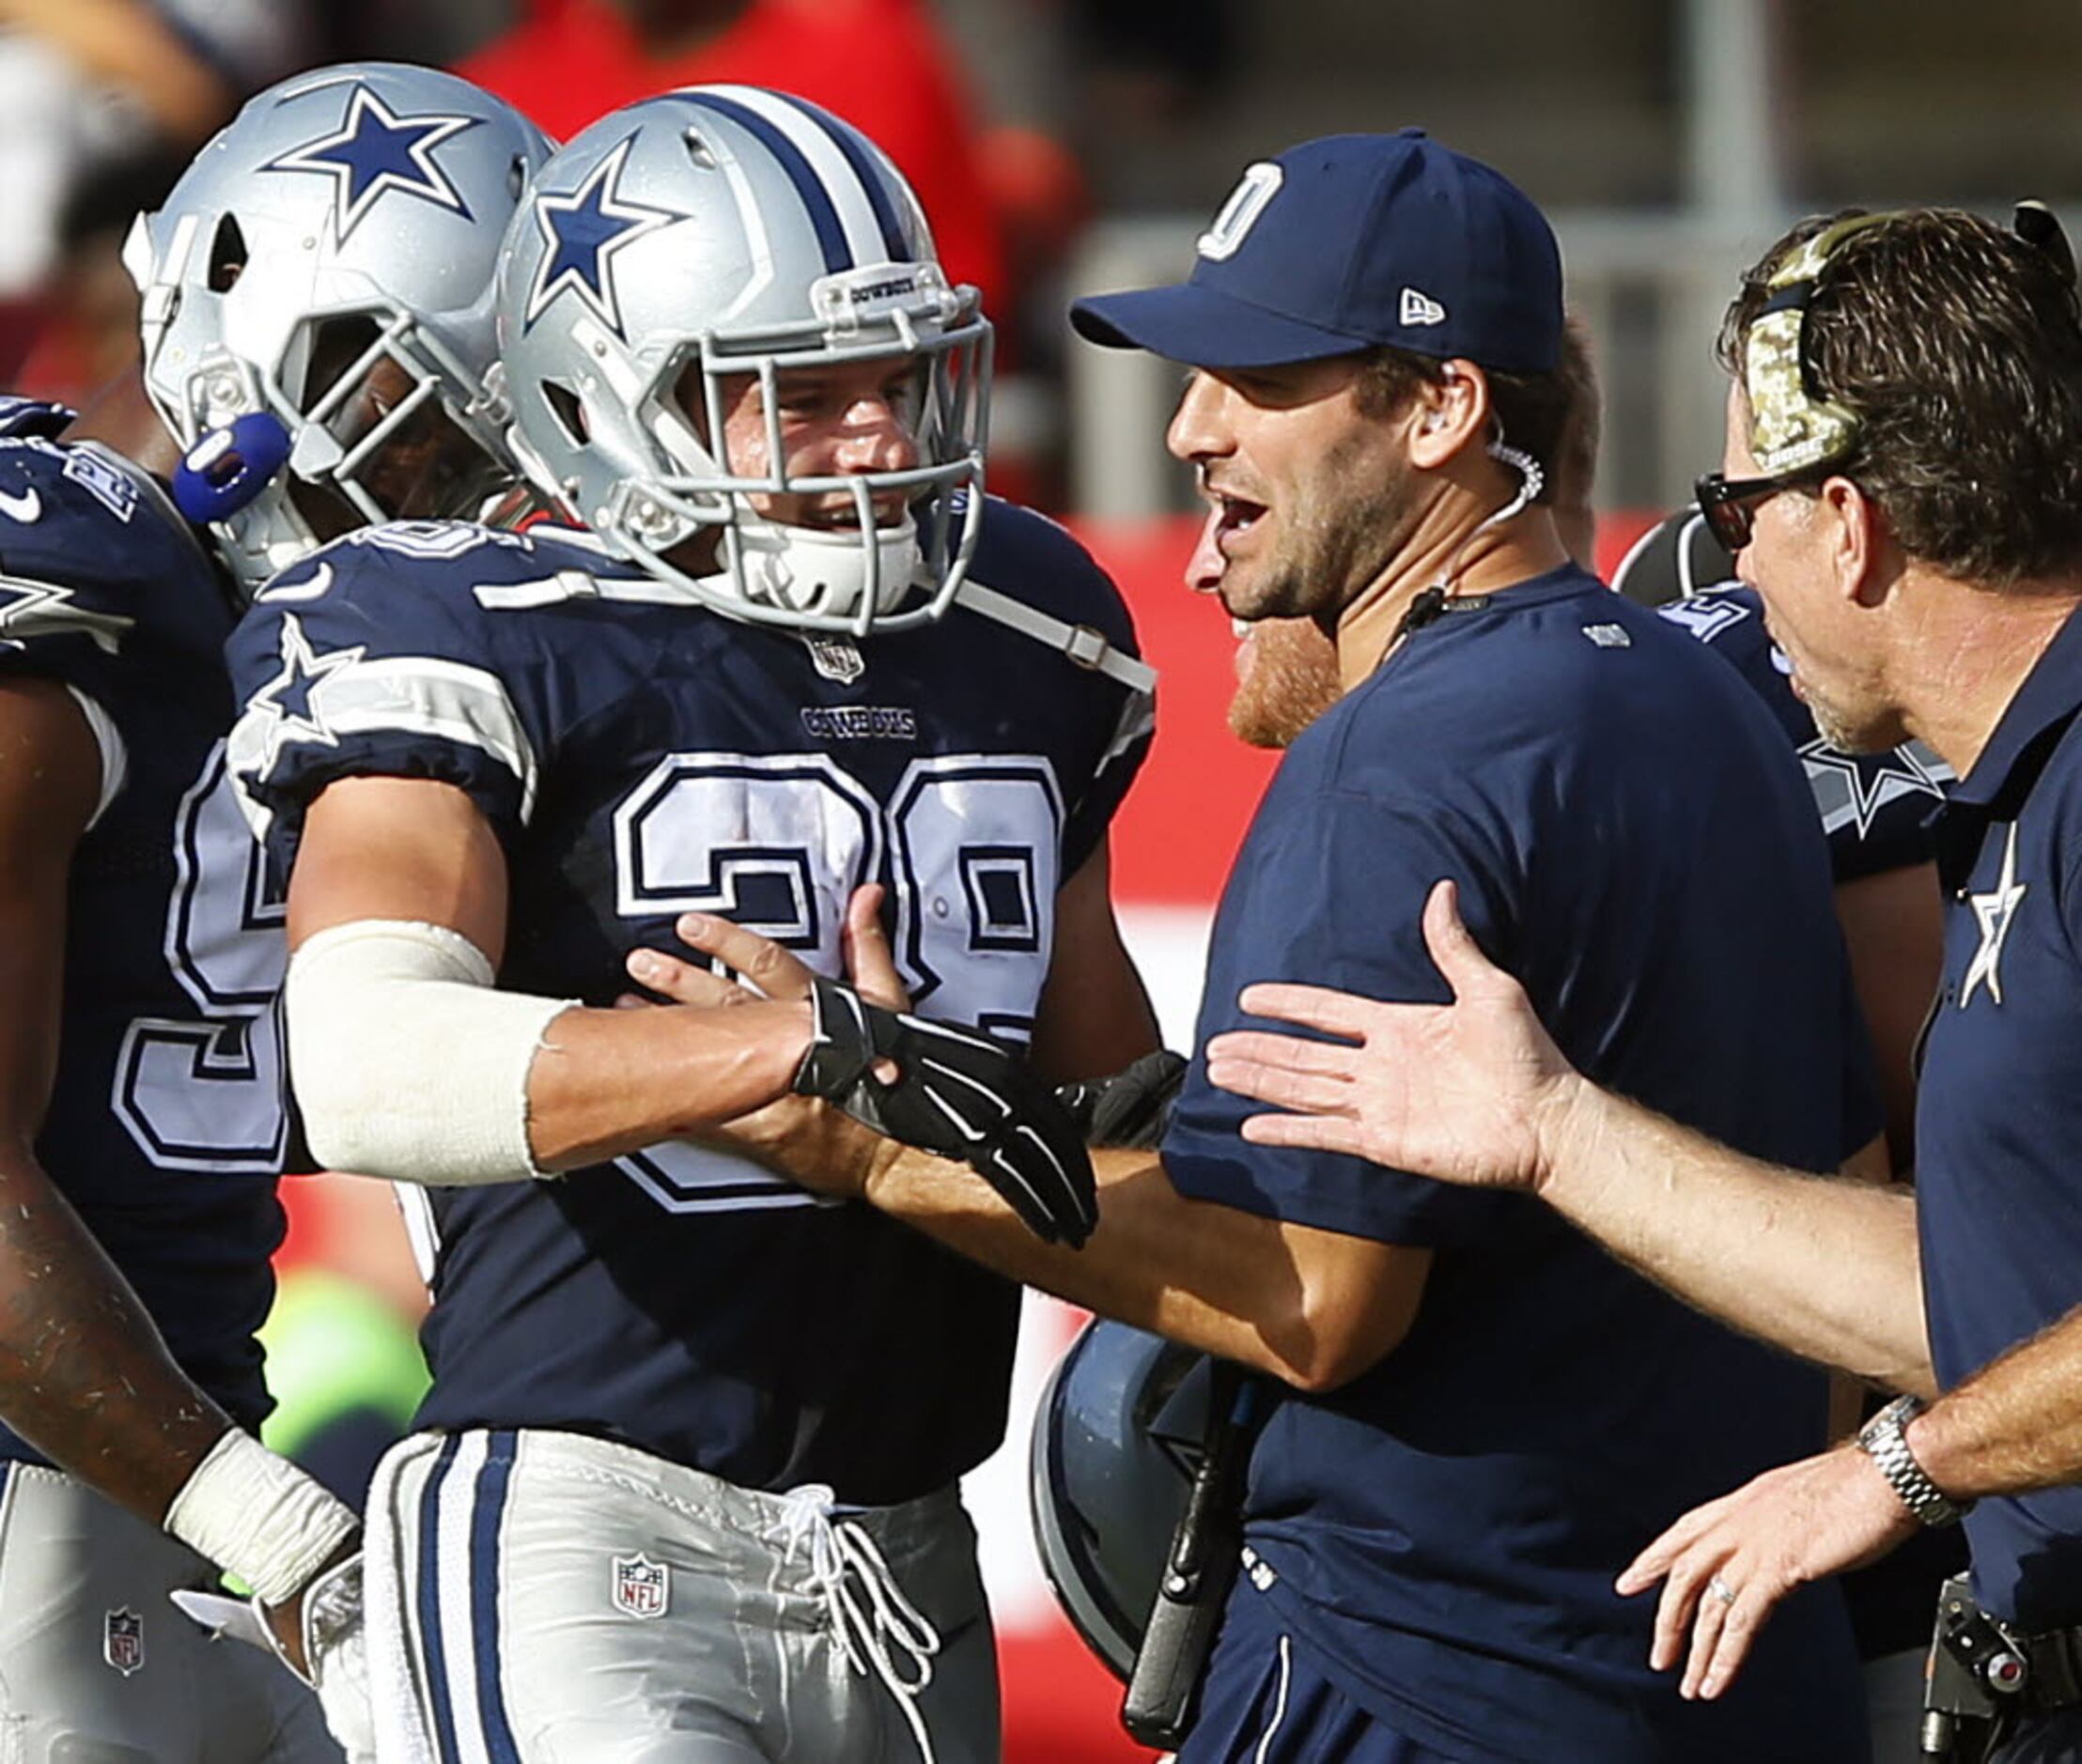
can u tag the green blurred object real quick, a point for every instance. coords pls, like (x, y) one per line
(335, 1348)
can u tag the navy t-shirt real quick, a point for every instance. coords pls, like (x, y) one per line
(1631, 841)
(164, 1128)
(640, 757)
(1998, 1117)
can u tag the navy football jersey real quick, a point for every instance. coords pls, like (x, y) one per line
(1442, 1532)
(640, 757)
(165, 1123)
(1875, 808)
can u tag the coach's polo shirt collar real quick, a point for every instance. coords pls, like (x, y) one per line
(2029, 727)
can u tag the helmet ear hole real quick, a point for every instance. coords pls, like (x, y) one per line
(227, 254)
(569, 414)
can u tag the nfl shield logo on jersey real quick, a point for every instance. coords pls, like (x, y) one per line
(641, 1588)
(836, 659)
(123, 1641)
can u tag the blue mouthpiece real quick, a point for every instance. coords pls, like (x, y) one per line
(230, 467)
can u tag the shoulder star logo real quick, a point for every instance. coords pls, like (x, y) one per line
(1852, 788)
(289, 702)
(29, 607)
(581, 235)
(376, 150)
(1996, 911)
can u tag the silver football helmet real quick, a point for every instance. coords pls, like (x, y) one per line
(327, 262)
(677, 252)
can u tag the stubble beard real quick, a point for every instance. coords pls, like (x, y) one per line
(1343, 527)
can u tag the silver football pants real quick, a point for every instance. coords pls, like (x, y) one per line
(97, 1667)
(560, 1599)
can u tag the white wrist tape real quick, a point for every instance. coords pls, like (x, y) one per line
(257, 1514)
(405, 1060)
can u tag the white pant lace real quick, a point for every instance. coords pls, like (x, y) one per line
(880, 1630)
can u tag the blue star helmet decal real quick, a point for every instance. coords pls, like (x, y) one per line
(581, 233)
(374, 151)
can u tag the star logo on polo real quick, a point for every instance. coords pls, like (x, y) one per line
(290, 700)
(375, 151)
(1851, 789)
(1996, 911)
(29, 607)
(583, 232)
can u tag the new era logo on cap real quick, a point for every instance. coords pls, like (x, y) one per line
(1421, 309)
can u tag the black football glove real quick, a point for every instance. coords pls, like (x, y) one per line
(1132, 1108)
(959, 1095)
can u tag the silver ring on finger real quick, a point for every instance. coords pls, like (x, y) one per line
(1721, 1590)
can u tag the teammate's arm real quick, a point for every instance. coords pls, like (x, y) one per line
(1476, 1093)
(1894, 934)
(591, 1084)
(1095, 1017)
(85, 1376)
(1311, 1306)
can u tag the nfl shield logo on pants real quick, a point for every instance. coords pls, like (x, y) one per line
(640, 1587)
(123, 1641)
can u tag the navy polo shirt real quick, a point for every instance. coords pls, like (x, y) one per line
(1634, 840)
(1998, 1119)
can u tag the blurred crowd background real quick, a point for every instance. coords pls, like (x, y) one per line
(1073, 146)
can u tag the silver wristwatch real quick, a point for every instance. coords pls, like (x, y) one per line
(1885, 1441)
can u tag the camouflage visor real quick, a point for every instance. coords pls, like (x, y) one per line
(1790, 427)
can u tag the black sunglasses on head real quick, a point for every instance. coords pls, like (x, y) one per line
(1730, 504)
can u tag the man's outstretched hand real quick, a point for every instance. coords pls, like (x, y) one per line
(1469, 1091)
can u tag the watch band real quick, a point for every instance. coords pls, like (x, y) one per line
(1884, 1440)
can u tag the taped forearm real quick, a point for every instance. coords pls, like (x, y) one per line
(406, 1061)
(259, 1516)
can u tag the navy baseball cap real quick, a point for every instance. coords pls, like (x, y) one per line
(1349, 241)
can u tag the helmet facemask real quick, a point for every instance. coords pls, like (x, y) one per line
(875, 551)
(384, 424)
(393, 427)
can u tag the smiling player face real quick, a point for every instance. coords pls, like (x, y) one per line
(835, 421)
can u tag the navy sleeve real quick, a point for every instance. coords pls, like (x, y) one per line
(1336, 902)
(78, 562)
(359, 662)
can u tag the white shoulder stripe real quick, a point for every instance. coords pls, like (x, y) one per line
(410, 694)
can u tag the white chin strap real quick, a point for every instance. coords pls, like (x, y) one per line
(824, 570)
